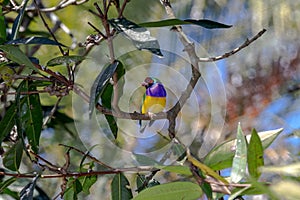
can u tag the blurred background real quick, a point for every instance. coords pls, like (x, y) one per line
(259, 86)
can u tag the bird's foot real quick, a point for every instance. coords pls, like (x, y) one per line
(151, 115)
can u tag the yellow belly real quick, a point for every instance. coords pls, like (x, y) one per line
(153, 104)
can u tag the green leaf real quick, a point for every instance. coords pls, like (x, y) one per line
(221, 156)
(120, 188)
(30, 114)
(139, 36)
(74, 187)
(106, 98)
(2, 27)
(12, 158)
(205, 169)
(18, 21)
(13, 53)
(173, 22)
(100, 84)
(179, 169)
(6, 183)
(106, 102)
(255, 155)
(238, 193)
(239, 162)
(171, 191)
(64, 60)
(87, 183)
(34, 40)
(77, 187)
(8, 121)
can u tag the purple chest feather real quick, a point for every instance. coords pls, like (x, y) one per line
(156, 90)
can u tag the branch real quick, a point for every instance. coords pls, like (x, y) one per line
(60, 6)
(226, 55)
(80, 174)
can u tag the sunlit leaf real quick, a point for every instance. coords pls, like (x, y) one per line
(12, 158)
(140, 36)
(239, 162)
(171, 191)
(173, 22)
(179, 169)
(18, 21)
(27, 191)
(120, 189)
(286, 189)
(13, 53)
(255, 155)
(238, 193)
(34, 40)
(8, 121)
(221, 156)
(286, 170)
(64, 60)
(100, 84)
(205, 169)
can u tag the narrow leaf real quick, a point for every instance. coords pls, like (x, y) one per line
(12, 158)
(171, 191)
(2, 27)
(221, 156)
(239, 162)
(8, 121)
(100, 84)
(64, 60)
(6, 183)
(18, 21)
(205, 169)
(179, 169)
(207, 23)
(120, 189)
(107, 95)
(255, 155)
(13, 53)
(30, 114)
(34, 40)
(173, 22)
(139, 36)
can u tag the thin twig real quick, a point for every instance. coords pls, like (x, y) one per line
(87, 155)
(47, 119)
(47, 27)
(60, 6)
(226, 55)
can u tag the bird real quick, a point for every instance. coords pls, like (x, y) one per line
(154, 99)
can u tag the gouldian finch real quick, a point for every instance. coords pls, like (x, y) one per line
(154, 100)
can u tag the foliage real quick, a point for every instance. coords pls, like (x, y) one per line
(26, 120)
